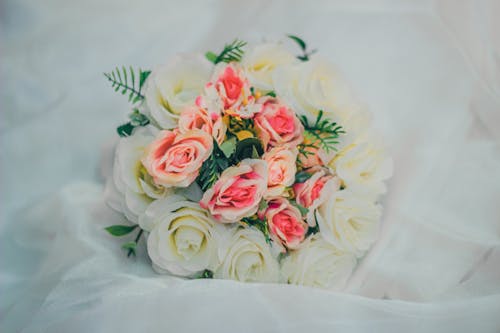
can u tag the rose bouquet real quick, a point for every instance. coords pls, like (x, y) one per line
(251, 164)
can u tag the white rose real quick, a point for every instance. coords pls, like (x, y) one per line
(183, 238)
(260, 62)
(315, 85)
(247, 257)
(318, 263)
(174, 86)
(132, 189)
(348, 222)
(363, 166)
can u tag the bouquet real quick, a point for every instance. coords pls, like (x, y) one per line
(252, 164)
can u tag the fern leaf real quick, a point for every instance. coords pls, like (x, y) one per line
(231, 52)
(128, 82)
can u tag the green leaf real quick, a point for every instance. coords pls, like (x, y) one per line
(261, 225)
(263, 204)
(303, 210)
(299, 41)
(229, 146)
(302, 176)
(312, 230)
(248, 148)
(231, 52)
(143, 75)
(206, 274)
(322, 134)
(272, 93)
(212, 57)
(120, 230)
(138, 119)
(211, 168)
(123, 80)
(129, 246)
(125, 129)
(305, 53)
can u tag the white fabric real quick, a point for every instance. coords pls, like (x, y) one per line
(429, 72)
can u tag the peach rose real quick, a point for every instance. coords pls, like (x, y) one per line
(281, 169)
(197, 117)
(314, 191)
(238, 191)
(285, 223)
(175, 159)
(277, 124)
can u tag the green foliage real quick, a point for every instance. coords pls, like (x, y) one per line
(312, 230)
(315, 229)
(231, 52)
(302, 176)
(120, 230)
(136, 119)
(229, 146)
(260, 224)
(323, 134)
(303, 46)
(303, 210)
(125, 129)
(206, 274)
(263, 204)
(231, 152)
(247, 148)
(131, 247)
(212, 168)
(128, 82)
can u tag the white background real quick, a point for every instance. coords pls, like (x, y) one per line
(428, 70)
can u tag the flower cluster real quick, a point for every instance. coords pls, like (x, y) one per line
(254, 166)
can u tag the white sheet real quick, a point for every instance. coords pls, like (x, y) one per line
(429, 72)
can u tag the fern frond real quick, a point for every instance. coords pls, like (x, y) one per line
(231, 52)
(125, 80)
(323, 134)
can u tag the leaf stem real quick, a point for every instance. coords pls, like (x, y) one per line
(136, 241)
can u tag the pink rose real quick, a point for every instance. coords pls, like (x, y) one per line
(175, 159)
(285, 223)
(281, 169)
(238, 191)
(277, 124)
(231, 91)
(196, 117)
(314, 191)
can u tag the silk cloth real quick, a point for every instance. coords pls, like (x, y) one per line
(429, 72)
